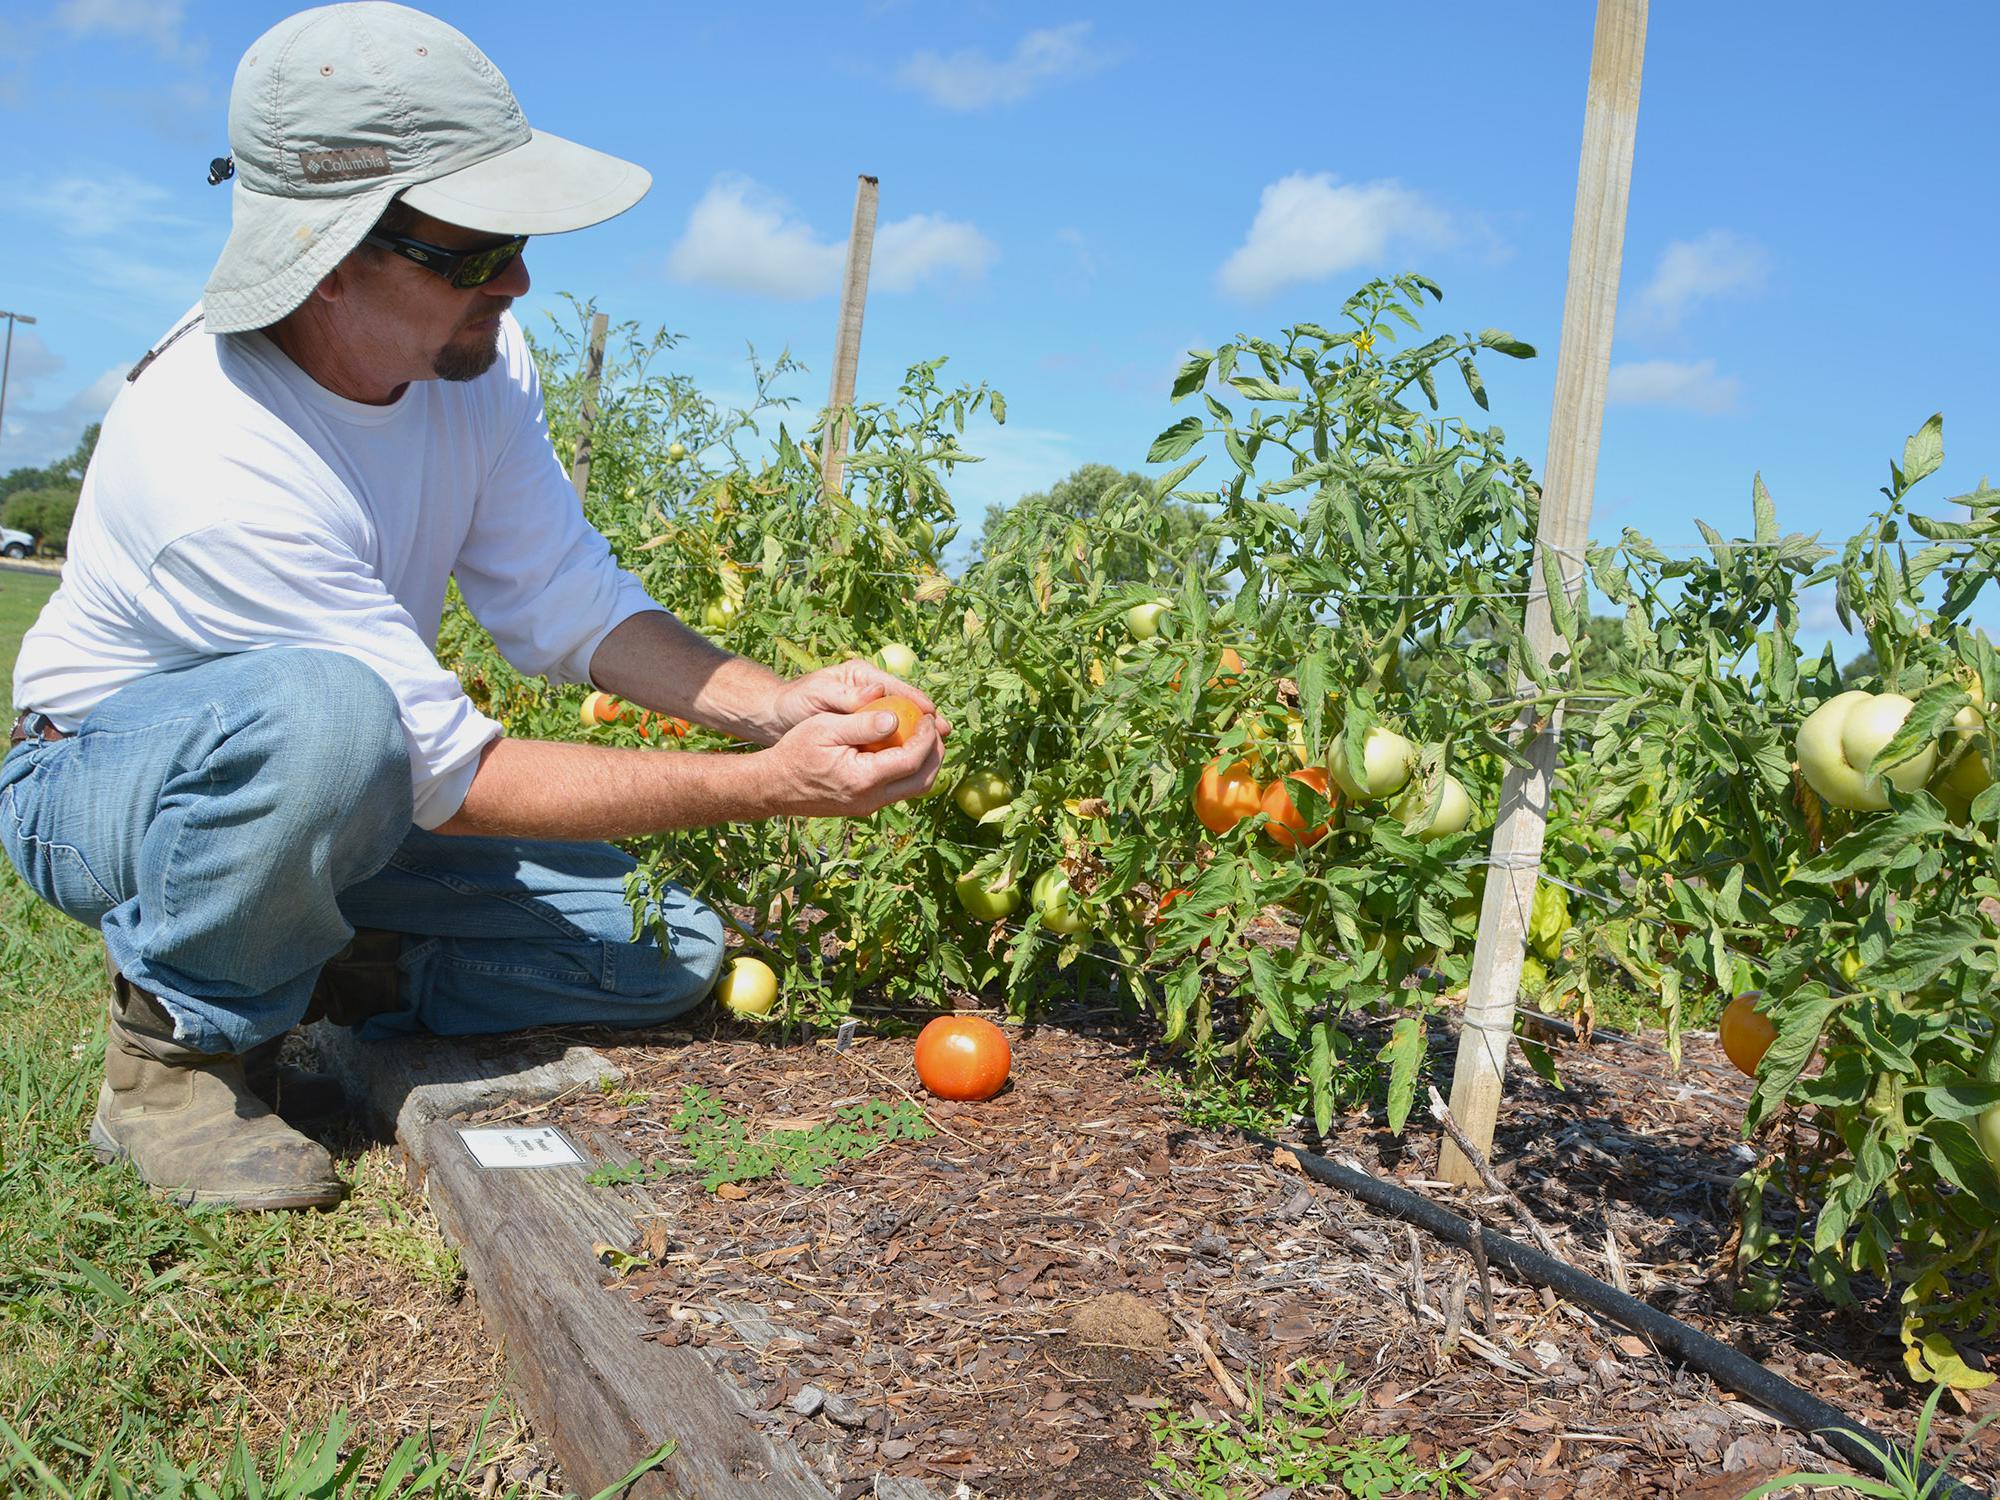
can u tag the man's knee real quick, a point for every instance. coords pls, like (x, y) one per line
(664, 976)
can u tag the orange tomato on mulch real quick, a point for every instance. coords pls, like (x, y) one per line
(963, 1057)
(907, 717)
(1288, 825)
(1746, 1035)
(1226, 795)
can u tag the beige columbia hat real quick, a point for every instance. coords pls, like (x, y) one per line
(337, 110)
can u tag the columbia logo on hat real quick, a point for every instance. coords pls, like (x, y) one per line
(344, 165)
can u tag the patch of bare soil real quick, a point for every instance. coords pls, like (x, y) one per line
(1008, 1303)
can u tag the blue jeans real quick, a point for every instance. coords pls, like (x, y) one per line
(228, 825)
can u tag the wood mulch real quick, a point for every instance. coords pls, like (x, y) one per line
(1010, 1303)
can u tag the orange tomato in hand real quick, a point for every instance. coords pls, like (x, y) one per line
(1288, 825)
(1746, 1035)
(907, 717)
(963, 1057)
(1226, 795)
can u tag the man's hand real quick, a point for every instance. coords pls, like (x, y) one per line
(818, 769)
(852, 685)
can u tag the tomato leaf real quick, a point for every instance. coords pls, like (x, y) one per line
(1193, 373)
(1875, 846)
(1924, 451)
(1924, 952)
(1507, 344)
(1167, 483)
(1403, 1052)
(1176, 441)
(1319, 1073)
(1264, 390)
(1799, 1026)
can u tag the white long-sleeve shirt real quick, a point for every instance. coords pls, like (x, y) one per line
(234, 504)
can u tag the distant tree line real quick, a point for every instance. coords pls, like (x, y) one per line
(42, 502)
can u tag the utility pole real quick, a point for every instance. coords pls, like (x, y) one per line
(7, 360)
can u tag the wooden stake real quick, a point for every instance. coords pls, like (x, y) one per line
(593, 373)
(847, 343)
(1583, 366)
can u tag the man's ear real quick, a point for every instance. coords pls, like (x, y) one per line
(337, 282)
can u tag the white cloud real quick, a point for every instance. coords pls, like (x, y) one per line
(35, 436)
(743, 238)
(1690, 386)
(154, 21)
(971, 80)
(108, 203)
(1720, 263)
(926, 246)
(29, 363)
(1312, 226)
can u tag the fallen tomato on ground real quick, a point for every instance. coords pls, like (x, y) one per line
(963, 1057)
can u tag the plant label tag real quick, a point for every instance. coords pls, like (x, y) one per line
(498, 1146)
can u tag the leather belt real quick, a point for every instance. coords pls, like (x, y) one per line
(33, 725)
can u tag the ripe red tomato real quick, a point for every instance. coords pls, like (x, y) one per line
(1226, 795)
(1288, 825)
(1746, 1035)
(963, 1057)
(907, 717)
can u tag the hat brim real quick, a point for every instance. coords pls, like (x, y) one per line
(547, 185)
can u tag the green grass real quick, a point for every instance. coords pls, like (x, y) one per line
(22, 596)
(139, 1344)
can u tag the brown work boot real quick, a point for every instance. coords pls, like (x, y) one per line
(301, 1096)
(359, 981)
(190, 1125)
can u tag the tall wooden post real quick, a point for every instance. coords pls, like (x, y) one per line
(593, 373)
(847, 344)
(1583, 366)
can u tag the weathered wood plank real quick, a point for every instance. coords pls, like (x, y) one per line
(597, 1390)
(602, 1394)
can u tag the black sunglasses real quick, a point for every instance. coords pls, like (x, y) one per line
(462, 268)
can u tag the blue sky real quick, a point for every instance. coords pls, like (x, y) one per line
(1074, 194)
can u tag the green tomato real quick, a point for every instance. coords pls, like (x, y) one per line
(1534, 974)
(1850, 964)
(1062, 913)
(1987, 1128)
(749, 988)
(1838, 744)
(1454, 811)
(719, 612)
(676, 452)
(979, 792)
(1142, 621)
(1387, 761)
(898, 660)
(984, 902)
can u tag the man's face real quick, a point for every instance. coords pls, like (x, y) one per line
(417, 325)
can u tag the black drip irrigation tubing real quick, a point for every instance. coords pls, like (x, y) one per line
(1692, 1347)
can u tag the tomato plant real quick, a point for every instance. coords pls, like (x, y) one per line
(1310, 615)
